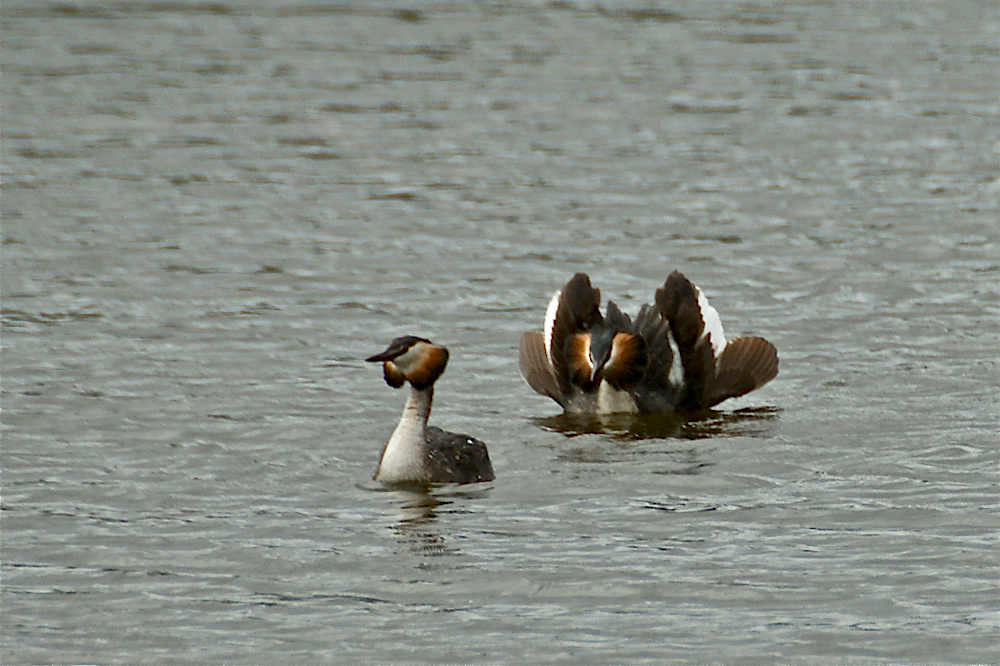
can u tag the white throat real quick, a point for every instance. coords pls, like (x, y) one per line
(405, 456)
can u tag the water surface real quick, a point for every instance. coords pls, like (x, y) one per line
(213, 211)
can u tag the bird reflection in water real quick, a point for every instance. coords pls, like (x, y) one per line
(752, 422)
(417, 507)
(656, 439)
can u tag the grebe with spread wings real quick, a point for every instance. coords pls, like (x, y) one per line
(673, 356)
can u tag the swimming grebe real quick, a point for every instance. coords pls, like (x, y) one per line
(590, 363)
(416, 452)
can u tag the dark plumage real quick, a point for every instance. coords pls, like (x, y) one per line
(714, 370)
(457, 458)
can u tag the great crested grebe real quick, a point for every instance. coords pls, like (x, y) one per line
(416, 452)
(589, 363)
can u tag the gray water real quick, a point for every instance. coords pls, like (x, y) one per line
(213, 211)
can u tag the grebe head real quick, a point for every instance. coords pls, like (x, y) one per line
(601, 348)
(616, 352)
(411, 359)
(596, 353)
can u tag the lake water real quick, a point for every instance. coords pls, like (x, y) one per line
(213, 211)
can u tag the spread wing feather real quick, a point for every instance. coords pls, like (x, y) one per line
(535, 366)
(744, 365)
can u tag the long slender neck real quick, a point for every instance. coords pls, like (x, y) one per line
(405, 456)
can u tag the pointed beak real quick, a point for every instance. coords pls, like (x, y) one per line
(594, 371)
(394, 350)
(377, 358)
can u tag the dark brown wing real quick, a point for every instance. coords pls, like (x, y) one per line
(535, 367)
(677, 301)
(744, 365)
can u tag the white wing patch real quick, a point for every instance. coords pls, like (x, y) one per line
(713, 324)
(550, 322)
(676, 374)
